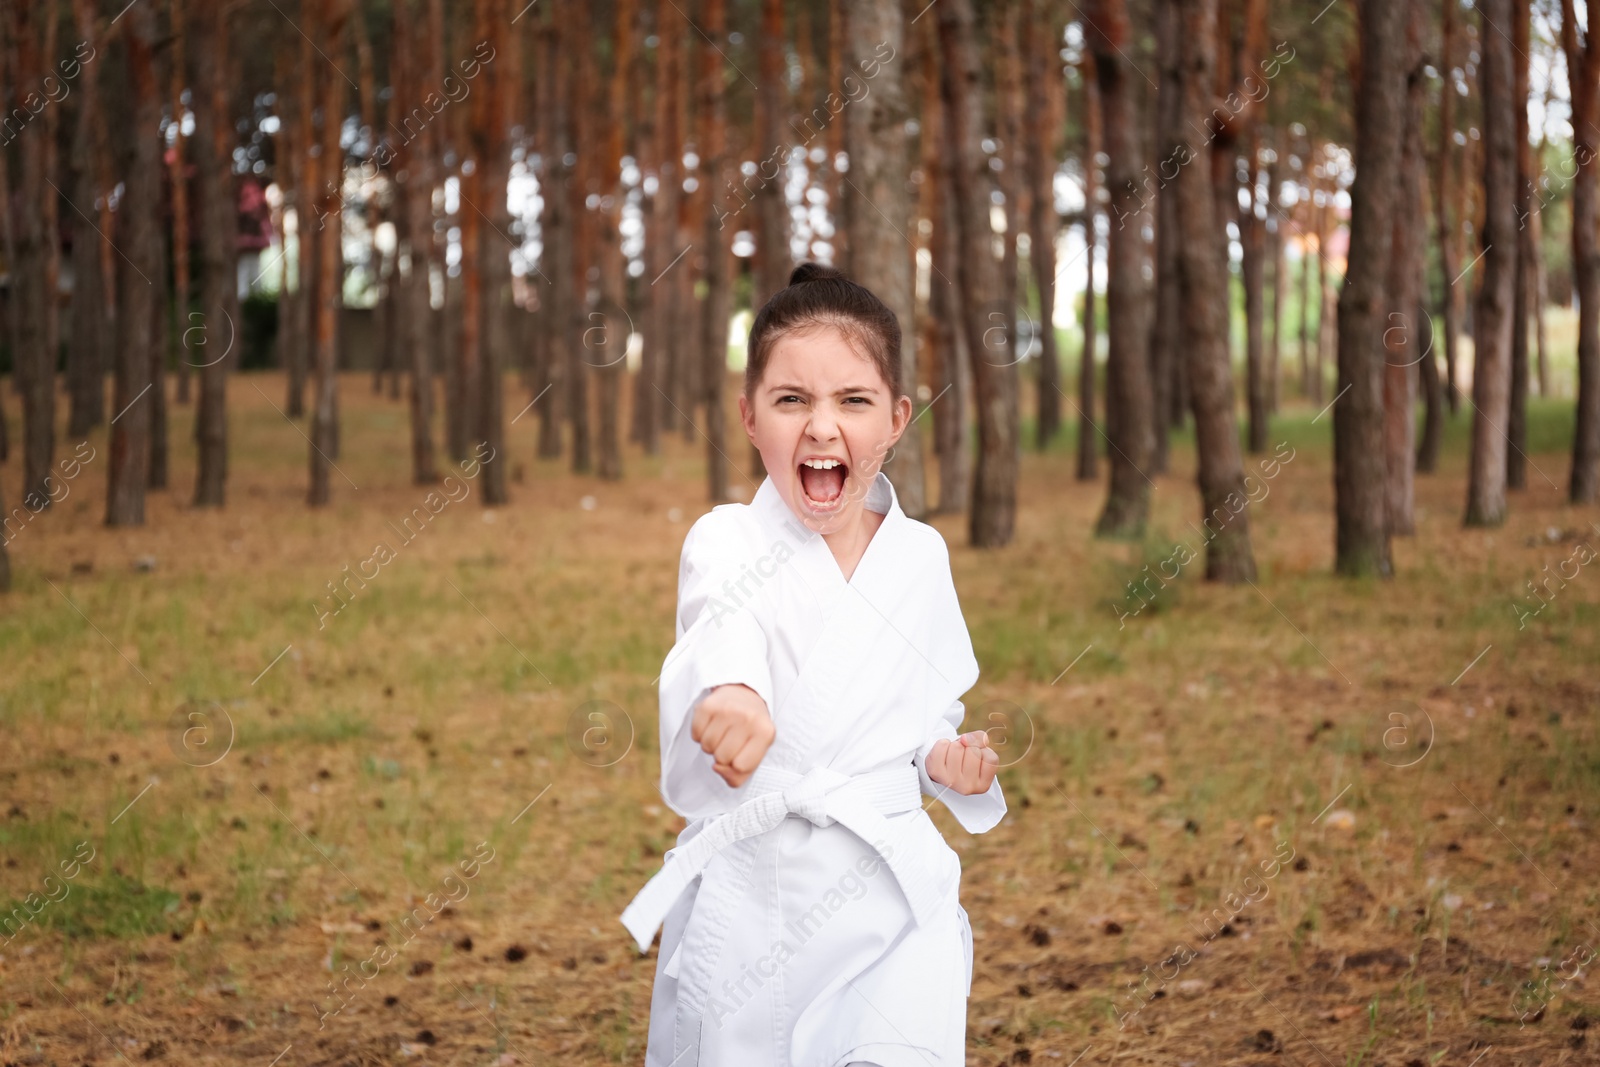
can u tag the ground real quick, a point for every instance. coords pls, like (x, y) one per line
(1305, 820)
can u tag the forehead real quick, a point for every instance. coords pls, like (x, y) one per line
(820, 356)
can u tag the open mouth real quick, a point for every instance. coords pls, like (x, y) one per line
(822, 481)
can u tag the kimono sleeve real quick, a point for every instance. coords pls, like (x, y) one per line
(952, 649)
(976, 813)
(720, 642)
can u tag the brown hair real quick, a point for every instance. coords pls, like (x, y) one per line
(819, 295)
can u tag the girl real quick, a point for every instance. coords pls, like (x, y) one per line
(810, 913)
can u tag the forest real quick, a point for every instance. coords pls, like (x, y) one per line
(1307, 293)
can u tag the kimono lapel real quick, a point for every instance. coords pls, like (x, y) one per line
(855, 632)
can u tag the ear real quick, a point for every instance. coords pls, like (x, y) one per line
(747, 416)
(900, 418)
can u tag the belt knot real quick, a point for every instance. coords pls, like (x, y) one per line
(808, 797)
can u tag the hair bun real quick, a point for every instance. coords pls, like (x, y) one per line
(811, 271)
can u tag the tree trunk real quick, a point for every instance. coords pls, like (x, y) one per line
(578, 42)
(1128, 391)
(420, 57)
(1407, 270)
(1491, 375)
(1040, 119)
(992, 521)
(662, 139)
(129, 462)
(1166, 328)
(1203, 264)
(555, 230)
(1309, 173)
(1538, 284)
(307, 197)
(713, 135)
(839, 197)
(1427, 458)
(1583, 66)
(1093, 112)
(1324, 321)
(610, 356)
(1277, 259)
(329, 266)
(773, 262)
(1002, 36)
(1253, 243)
(875, 138)
(92, 321)
(1360, 468)
(182, 288)
(220, 317)
(1517, 416)
(498, 73)
(464, 429)
(1443, 200)
(949, 374)
(160, 344)
(34, 283)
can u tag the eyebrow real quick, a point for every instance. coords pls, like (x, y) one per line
(799, 389)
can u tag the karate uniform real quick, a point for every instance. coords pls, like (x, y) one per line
(810, 918)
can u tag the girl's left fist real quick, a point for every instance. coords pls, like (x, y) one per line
(966, 765)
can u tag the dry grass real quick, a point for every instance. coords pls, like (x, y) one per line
(1147, 781)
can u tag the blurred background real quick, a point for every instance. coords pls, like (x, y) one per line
(363, 365)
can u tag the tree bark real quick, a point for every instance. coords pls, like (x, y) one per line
(1491, 376)
(713, 135)
(875, 139)
(1203, 263)
(1360, 468)
(414, 167)
(1128, 391)
(34, 282)
(839, 196)
(949, 374)
(992, 521)
(129, 461)
(1583, 66)
(329, 266)
(1040, 119)
(581, 114)
(1253, 244)
(307, 194)
(1517, 417)
(92, 320)
(610, 356)
(1277, 260)
(1166, 328)
(1093, 112)
(178, 180)
(1443, 201)
(498, 72)
(555, 232)
(220, 319)
(1407, 266)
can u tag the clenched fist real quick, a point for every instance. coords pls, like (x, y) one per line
(966, 765)
(733, 725)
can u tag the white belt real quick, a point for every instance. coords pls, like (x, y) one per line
(823, 796)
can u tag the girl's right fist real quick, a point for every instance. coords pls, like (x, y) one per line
(733, 725)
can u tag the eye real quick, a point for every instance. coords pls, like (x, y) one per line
(858, 400)
(787, 398)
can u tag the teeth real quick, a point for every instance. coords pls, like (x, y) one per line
(821, 464)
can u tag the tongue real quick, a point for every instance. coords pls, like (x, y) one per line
(823, 486)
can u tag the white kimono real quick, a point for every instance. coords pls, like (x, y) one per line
(810, 918)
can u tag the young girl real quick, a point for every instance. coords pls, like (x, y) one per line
(810, 913)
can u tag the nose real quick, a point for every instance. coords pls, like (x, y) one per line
(823, 426)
